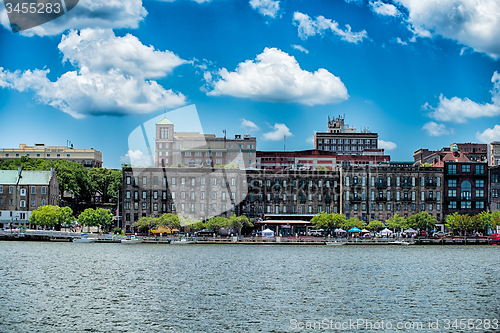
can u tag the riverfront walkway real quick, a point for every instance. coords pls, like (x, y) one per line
(60, 236)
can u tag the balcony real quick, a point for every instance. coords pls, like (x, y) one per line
(431, 184)
(356, 185)
(383, 198)
(429, 199)
(407, 185)
(381, 184)
(406, 199)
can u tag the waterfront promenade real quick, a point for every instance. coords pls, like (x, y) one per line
(61, 236)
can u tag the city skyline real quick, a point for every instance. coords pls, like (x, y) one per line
(407, 70)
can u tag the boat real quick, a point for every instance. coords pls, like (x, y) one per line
(131, 240)
(399, 243)
(85, 239)
(335, 243)
(182, 241)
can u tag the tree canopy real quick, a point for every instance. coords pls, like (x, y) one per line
(52, 216)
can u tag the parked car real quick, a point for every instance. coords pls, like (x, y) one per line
(422, 233)
(441, 234)
(316, 232)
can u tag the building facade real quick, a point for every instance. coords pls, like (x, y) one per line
(345, 140)
(22, 192)
(494, 153)
(311, 159)
(89, 158)
(194, 149)
(473, 151)
(379, 192)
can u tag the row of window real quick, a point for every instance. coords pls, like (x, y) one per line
(23, 190)
(295, 183)
(386, 195)
(197, 144)
(38, 155)
(295, 209)
(388, 207)
(346, 148)
(466, 168)
(465, 183)
(347, 141)
(183, 181)
(276, 197)
(22, 203)
(466, 205)
(386, 181)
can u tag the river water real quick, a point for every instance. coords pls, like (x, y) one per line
(76, 287)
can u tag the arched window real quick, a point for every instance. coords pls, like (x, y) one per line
(466, 190)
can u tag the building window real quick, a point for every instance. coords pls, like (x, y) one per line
(479, 183)
(43, 202)
(465, 168)
(44, 190)
(33, 203)
(23, 192)
(144, 205)
(479, 193)
(11, 189)
(155, 195)
(33, 189)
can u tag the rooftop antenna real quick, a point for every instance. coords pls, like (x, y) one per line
(284, 142)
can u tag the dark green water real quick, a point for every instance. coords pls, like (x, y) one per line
(66, 287)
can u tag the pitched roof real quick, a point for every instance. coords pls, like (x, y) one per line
(164, 121)
(455, 157)
(28, 177)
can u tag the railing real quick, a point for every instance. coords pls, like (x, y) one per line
(433, 184)
(406, 185)
(381, 184)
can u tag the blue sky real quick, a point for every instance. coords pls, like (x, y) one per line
(421, 73)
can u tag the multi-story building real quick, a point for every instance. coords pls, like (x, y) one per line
(380, 192)
(473, 151)
(89, 158)
(22, 192)
(494, 153)
(194, 149)
(465, 184)
(345, 140)
(201, 193)
(311, 159)
(494, 184)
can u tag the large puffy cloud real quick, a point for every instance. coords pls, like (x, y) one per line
(279, 131)
(308, 27)
(89, 14)
(266, 7)
(474, 23)
(489, 134)
(100, 85)
(275, 76)
(435, 129)
(101, 50)
(459, 109)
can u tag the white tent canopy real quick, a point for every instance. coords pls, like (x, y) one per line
(340, 230)
(267, 233)
(410, 230)
(386, 232)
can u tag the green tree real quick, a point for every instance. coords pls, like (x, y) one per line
(458, 222)
(239, 222)
(170, 221)
(396, 222)
(375, 225)
(216, 223)
(354, 222)
(48, 216)
(105, 219)
(426, 165)
(66, 216)
(147, 223)
(421, 221)
(328, 221)
(106, 182)
(99, 217)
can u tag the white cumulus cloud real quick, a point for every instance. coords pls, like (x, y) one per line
(137, 158)
(280, 130)
(460, 109)
(300, 48)
(489, 134)
(308, 27)
(474, 23)
(266, 7)
(89, 14)
(249, 124)
(114, 82)
(384, 9)
(435, 129)
(387, 145)
(275, 76)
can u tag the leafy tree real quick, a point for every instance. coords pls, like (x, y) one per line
(396, 222)
(328, 221)
(48, 216)
(426, 165)
(239, 222)
(216, 223)
(106, 182)
(421, 221)
(321, 168)
(66, 216)
(146, 223)
(105, 218)
(170, 221)
(457, 222)
(488, 220)
(375, 225)
(354, 222)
